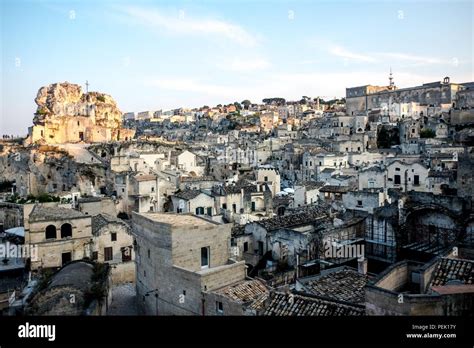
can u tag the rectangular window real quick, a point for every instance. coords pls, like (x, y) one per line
(219, 307)
(246, 246)
(66, 258)
(113, 236)
(260, 247)
(416, 180)
(397, 169)
(253, 206)
(126, 254)
(95, 255)
(265, 178)
(397, 180)
(224, 206)
(359, 203)
(108, 254)
(234, 208)
(205, 257)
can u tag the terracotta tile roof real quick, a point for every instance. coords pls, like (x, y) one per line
(244, 291)
(187, 194)
(42, 213)
(297, 219)
(453, 269)
(147, 177)
(196, 178)
(311, 185)
(281, 304)
(335, 189)
(101, 220)
(344, 285)
(259, 302)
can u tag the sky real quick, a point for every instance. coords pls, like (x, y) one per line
(151, 55)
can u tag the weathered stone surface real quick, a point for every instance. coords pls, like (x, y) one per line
(67, 115)
(68, 99)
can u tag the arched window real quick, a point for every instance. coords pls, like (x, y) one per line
(66, 230)
(51, 232)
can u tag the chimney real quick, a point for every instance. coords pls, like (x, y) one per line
(362, 266)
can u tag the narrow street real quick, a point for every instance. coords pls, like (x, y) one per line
(123, 300)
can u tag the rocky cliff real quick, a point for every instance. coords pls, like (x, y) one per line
(67, 99)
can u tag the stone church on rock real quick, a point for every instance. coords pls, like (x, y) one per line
(67, 115)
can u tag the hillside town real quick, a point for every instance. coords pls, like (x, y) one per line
(324, 206)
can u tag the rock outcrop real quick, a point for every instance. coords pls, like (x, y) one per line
(67, 115)
(67, 99)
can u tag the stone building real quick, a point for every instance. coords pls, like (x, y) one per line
(407, 176)
(179, 257)
(61, 235)
(368, 97)
(243, 201)
(242, 298)
(443, 287)
(194, 202)
(113, 244)
(67, 115)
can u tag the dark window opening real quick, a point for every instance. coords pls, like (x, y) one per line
(66, 258)
(260, 247)
(219, 307)
(66, 231)
(113, 236)
(126, 254)
(205, 257)
(108, 254)
(397, 180)
(51, 232)
(416, 180)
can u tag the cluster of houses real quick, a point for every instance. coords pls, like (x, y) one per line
(361, 206)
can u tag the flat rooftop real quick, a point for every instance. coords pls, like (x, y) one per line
(174, 219)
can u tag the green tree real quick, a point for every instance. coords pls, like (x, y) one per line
(246, 103)
(427, 133)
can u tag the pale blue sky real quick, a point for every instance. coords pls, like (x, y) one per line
(153, 55)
